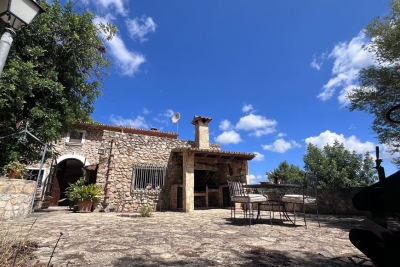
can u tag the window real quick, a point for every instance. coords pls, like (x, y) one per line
(33, 175)
(148, 176)
(76, 138)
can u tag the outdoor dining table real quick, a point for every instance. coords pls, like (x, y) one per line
(281, 189)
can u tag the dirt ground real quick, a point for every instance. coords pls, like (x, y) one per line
(200, 238)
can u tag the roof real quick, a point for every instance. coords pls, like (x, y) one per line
(124, 129)
(213, 155)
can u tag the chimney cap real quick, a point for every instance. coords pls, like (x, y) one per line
(200, 118)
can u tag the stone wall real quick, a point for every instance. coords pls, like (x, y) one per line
(330, 201)
(88, 149)
(127, 150)
(338, 201)
(15, 197)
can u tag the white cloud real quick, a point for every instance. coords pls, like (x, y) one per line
(228, 137)
(145, 111)
(168, 113)
(258, 157)
(139, 27)
(162, 121)
(317, 62)
(259, 125)
(279, 135)
(127, 61)
(385, 155)
(254, 179)
(281, 146)
(139, 122)
(349, 58)
(351, 143)
(225, 125)
(343, 100)
(117, 5)
(247, 108)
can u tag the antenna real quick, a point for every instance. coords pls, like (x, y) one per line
(175, 118)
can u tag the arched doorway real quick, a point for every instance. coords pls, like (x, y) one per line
(69, 170)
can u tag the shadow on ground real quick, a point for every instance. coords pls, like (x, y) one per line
(243, 222)
(345, 222)
(252, 256)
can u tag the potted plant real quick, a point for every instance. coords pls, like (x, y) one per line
(88, 195)
(82, 195)
(15, 169)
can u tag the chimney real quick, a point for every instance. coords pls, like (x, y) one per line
(202, 137)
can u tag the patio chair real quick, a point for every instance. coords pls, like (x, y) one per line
(274, 203)
(309, 197)
(240, 194)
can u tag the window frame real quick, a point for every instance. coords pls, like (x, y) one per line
(68, 138)
(142, 176)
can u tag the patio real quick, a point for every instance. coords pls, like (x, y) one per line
(199, 238)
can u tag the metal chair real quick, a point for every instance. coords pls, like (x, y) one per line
(240, 194)
(274, 203)
(308, 198)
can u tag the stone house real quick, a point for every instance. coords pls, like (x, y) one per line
(137, 167)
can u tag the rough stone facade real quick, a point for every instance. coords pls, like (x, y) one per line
(128, 150)
(338, 201)
(126, 147)
(202, 136)
(15, 198)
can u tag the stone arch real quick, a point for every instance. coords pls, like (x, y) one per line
(82, 159)
(70, 168)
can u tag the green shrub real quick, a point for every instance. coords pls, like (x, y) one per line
(145, 211)
(80, 191)
(15, 168)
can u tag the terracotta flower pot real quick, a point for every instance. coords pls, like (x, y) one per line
(14, 173)
(84, 205)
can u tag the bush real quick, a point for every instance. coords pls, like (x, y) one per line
(145, 211)
(15, 169)
(80, 191)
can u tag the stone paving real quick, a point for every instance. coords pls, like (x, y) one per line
(200, 238)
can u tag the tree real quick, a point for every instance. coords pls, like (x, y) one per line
(379, 84)
(287, 173)
(335, 166)
(52, 77)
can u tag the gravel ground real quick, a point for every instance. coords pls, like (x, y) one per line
(200, 238)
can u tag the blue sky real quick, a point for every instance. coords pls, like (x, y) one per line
(273, 75)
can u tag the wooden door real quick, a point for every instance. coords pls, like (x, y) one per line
(55, 192)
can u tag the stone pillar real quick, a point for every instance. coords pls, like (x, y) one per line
(188, 181)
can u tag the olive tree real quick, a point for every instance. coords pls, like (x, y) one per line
(379, 84)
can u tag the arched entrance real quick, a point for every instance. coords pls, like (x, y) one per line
(69, 170)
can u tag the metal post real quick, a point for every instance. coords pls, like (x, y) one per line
(5, 44)
(37, 180)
